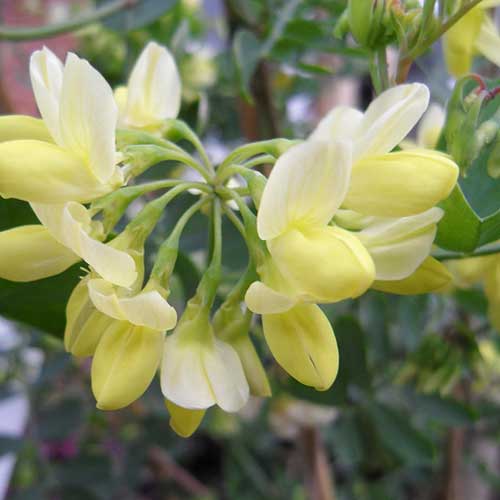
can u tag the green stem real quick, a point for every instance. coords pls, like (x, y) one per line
(146, 156)
(417, 51)
(148, 217)
(229, 170)
(235, 220)
(478, 253)
(169, 249)
(106, 10)
(184, 131)
(374, 73)
(383, 68)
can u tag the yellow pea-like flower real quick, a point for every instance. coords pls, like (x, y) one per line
(29, 253)
(76, 160)
(473, 34)
(306, 187)
(129, 350)
(385, 183)
(199, 370)
(153, 92)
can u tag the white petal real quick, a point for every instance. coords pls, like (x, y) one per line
(306, 186)
(199, 372)
(183, 377)
(46, 72)
(88, 117)
(261, 299)
(154, 88)
(389, 118)
(488, 41)
(223, 368)
(69, 224)
(146, 308)
(430, 126)
(398, 246)
(341, 123)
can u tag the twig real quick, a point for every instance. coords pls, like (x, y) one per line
(319, 480)
(23, 33)
(166, 467)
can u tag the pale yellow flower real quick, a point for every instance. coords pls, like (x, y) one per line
(474, 34)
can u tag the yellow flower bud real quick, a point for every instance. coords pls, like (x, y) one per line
(29, 253)
(183, 421)
(303, 343)
(401, 183)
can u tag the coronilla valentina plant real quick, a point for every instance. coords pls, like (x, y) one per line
(352, 207)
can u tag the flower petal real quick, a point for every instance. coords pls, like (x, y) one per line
(303, 343)
(16, 127)
(147, 308)
(389, 118)
(488, 41)
(341, 124)
(324, 264)
(124, 364)
(199, 370)
(227, 378)
(430, 277)
(399, 246)
(88, 117)
(69, 224)
(184, 422)
(46, 71)
(400, 184)
(29, 253)
(154, 88)
(460, 40)
(85, 325)
(262, 299)
(430, 127)
(42, 172)
(306, 186)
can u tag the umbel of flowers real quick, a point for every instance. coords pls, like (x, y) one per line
(341, 212)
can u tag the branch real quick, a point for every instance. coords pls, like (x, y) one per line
(23, 33)
(493, 249)
(166, 467)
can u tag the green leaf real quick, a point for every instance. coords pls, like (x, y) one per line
(398, 435)
(42, 303)
(61, 419)
(247, 51)
(138, 15)
(444, 410)
(460, 227)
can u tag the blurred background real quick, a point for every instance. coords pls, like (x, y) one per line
(415, 411)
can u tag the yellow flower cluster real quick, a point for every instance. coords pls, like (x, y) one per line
(340, 213)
